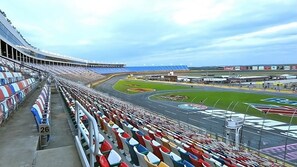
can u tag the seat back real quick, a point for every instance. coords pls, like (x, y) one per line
(106, 147)
(140, 157)
(162, 164)
(103, 161)
(139, 135)
(156, 151)
(132, 153)
(147, 141)
(123, 140)
(149, 164)
(188, 164)
(177, 163)
(184, 154)
(166, 157)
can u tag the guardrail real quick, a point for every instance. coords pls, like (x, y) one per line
(92, 139)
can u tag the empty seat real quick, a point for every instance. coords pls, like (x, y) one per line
(156, 149)
(184, 154)
(141, 152)
(131, 143)
(147, 140)
(106, 147)
(151, 160)
(125, 136)
(139, 135)
(166, 155)
(113, 159)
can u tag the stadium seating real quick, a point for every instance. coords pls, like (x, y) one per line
(41, 108)
(158, 141)
(77, 74)
(13, 90)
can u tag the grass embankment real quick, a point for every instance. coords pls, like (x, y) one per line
(126, 84)
(233, 101)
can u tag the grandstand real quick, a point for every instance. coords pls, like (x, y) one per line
(103, 130)
(140, 69)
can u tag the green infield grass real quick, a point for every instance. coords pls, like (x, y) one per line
(127, 84)
(233, 101)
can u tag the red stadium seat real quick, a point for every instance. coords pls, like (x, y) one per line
(106, 147)
(123, 164)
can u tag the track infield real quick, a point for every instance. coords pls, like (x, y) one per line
(238, 102)
(132, 86)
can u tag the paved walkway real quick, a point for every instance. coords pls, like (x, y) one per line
(19, 137)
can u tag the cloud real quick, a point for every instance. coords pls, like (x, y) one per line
(197, 32)
(190, 11)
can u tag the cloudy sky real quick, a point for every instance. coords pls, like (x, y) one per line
(161, 32)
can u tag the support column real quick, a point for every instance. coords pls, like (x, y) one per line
(6, 50)
(237, 138)
(12, 54)
(0, 47)
(228, 136)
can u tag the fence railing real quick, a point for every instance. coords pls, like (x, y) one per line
(92, 139)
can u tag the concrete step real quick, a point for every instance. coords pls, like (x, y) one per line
(18, 152)
(66, 156)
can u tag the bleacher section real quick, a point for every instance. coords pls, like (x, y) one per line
(147, 139)
(77, 74)
(41, 113)
(106, 156)
(13, 89)
(140, 69)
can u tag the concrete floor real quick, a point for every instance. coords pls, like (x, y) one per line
(60, 156)
(19, 137)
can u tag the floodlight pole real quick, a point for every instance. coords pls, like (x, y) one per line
(214, 106)
(233, 108)
(227, 139)
(247, 109)
(285, 154)
(204, 100)
(226, 112)
(260, 140)
(193, 99)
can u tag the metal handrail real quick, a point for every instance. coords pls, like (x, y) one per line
(93, 138)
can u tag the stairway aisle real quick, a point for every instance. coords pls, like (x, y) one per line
(61, 150)
(18, 136)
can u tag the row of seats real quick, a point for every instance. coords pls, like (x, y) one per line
(136, 150)
(9, 64)
(139, 143)
(3, 69)
(78, 74)
(13, 93)
(160, 140)
(131, 147)
(41, 107)
(10, 77)
(107, 156)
